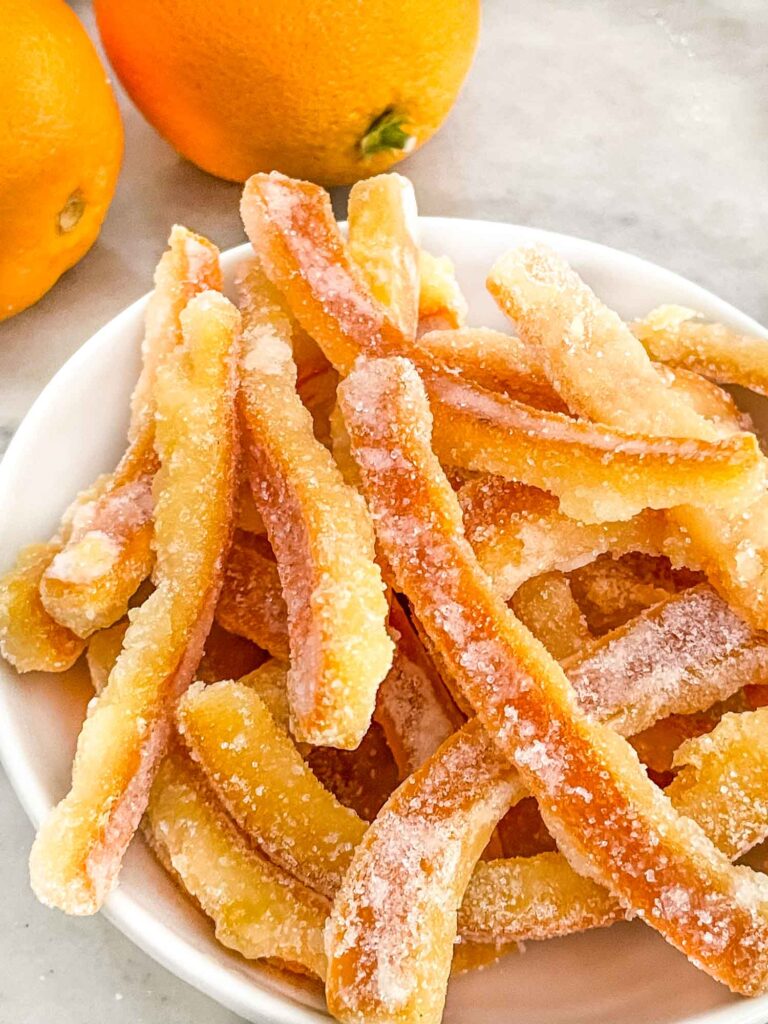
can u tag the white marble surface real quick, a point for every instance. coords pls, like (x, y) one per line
(639, 125)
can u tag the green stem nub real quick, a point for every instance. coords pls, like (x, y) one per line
(386, 132)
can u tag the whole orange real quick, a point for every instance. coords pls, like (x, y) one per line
(61, 141)
(330, 90)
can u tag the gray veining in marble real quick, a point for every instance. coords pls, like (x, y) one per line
(640, 125)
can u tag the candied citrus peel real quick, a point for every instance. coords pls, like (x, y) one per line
(442, 305)
(108, 552)
(322, 538)
(257, 909)
(391, 932)
(677, 336)
(262, 780)
(77, 854)
(546, 605)
(413, 706)
(602, 371)
(383, 222)
(29, 638)
(101, 552)
(598, 473)
(592, 791)
(721, 786)
(519, 532)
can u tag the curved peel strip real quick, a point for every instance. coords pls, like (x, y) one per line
(294, 233)
(721, 786)
(598, 473)
(256, 908)
(724, 780)
(603, 371)
(89, 583)
(706, 398)
(383, 221)
(674, 335)
(390, 936)
(611, 591)
(103, 651)
(108, 552)
(678, 657)
(413, 706)
(262, 780)
(492, 360)
(77, 853)
(322, 538)
(592, 791)
(546, 606)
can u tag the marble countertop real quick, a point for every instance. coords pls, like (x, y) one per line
(642, 126)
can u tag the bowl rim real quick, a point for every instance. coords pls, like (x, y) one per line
(145, 930)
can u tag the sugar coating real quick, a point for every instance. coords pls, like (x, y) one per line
(260, 777)
(390, 935)
(441, 302)
(603, 371)
(598, 473)
(323, 542)
(383, 224)
(677, 336)
(413, 706)
(607, 817)
(680, 656)
(519, 532)
(29, 638)
(77, 853)
(257, 909)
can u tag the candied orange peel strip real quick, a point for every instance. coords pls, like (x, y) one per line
(107, 554)
(603, 371)
(98, 567)
(678, 657)
(390, 936)
(262, 780)
(491, 359)
(519, 532)
(29, 638)
(251, 602)
(103, 651)
(294, 233)
(721, 786)
(77, 854)
(706, 398)
(323, 541)
(383, 223)
(594, 795)
(598, 473)
(257, 909)
(675, 335)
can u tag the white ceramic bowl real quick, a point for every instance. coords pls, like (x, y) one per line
(75, 430)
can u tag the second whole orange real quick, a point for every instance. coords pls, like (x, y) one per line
(330, 90)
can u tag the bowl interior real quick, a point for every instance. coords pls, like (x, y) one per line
(74, 431)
